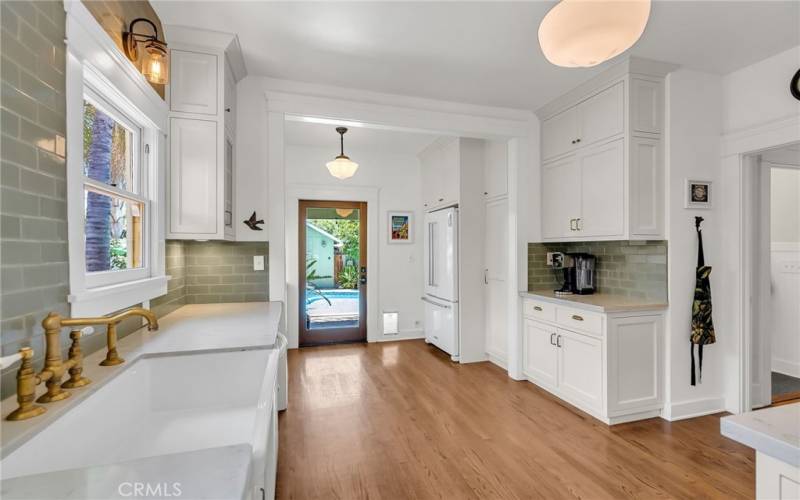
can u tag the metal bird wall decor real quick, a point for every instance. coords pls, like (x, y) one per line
(253, 222)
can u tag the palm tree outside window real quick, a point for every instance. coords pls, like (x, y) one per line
(114, 208)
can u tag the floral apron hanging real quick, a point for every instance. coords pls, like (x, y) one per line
(702, 323)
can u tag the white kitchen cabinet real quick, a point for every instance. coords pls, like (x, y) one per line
(601, 191)
(606, 363)
(193, 86)
(495, 281)
(580, 371)
(611, 128)
(561, 184)
(559, 133)
(202, 95)
(540, 353)
(441, 168)
(495, 180)
(193, 178)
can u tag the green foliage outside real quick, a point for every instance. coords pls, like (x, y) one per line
(345, 230)
(348, 277)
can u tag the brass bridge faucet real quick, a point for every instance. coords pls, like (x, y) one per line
(55, 367)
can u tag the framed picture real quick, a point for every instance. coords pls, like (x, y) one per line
(698, 194)
(401, 227)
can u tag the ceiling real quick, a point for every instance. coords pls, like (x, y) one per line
(299, 133)
(475, 52)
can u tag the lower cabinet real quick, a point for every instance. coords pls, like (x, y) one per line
(610, 369)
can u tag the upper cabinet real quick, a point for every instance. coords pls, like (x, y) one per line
(495, 173)
(202, 162)
(194, 85)
(602, 173)
(441, 172)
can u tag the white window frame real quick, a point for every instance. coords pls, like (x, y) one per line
(98, 72)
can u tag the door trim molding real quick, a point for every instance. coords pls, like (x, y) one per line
(297, 192)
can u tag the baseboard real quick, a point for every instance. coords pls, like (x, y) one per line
(497, 360)
(403, 335)
(786, 367)
(693, 408)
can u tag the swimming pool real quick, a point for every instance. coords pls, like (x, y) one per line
(332, 295)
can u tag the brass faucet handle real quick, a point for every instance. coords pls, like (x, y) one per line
(7, 361)
(75, 363)
(26, 387)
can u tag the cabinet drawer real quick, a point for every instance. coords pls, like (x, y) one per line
(539, 310)
(576, 319)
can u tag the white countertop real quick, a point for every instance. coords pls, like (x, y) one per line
(772, 431)
(597, 302)
(192, 328)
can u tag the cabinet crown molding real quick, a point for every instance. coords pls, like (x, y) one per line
(630, 65)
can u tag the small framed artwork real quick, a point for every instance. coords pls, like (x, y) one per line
(401, 227)
(698, 194)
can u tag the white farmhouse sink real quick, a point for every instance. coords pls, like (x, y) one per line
(163, 405)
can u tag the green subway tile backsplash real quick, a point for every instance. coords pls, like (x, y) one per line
(213, 271)
(629, 268)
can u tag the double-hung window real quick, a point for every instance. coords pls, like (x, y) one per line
(114, 199)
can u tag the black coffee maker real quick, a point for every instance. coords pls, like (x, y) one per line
(579, 274)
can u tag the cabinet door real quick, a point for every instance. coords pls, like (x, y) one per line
(448, 173)
(602, 116)
(560, 197)
(193, 85)
(580, 369)
(496, 169)
(228, 212)
(541, 355)
(559, 133)
(602, 188)
(230, 100)
(495, 272)
(193, 176)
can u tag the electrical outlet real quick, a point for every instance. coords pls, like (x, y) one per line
(258, 262)
(555, 259)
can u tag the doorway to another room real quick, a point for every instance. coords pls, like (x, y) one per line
(332, 250)
(776, 342)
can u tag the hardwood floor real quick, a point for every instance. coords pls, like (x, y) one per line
(399, 420)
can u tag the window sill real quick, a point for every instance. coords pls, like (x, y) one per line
(104, 300)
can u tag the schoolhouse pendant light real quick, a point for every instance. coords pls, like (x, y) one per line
(342, 167)
(585, 33)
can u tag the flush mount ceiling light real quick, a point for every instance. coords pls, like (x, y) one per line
(154, 65)
(585, 33)
(342, 167)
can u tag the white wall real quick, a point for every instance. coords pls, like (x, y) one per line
(397, 178)
(759, 93)
(693, 112)
(785, 233)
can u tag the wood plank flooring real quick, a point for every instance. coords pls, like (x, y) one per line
(398, 420)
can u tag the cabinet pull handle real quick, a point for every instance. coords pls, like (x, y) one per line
(577, 318)
(227, 110)
(441, 199)
(577, 140)
(551, 339)
(573, 141)
(578, 224)
(573, 224)
(263, 493)
(485, 276)
(537, 308)
(558, 342)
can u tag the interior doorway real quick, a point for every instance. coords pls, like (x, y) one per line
(332, 252)
(775, 353)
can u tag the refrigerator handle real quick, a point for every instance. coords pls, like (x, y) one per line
(431, 254)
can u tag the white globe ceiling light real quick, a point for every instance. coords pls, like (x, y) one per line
(585, 33)
(342, 167)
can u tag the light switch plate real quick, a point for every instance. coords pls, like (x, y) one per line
(258, 262)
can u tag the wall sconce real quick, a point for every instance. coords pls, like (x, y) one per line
(155, 66)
